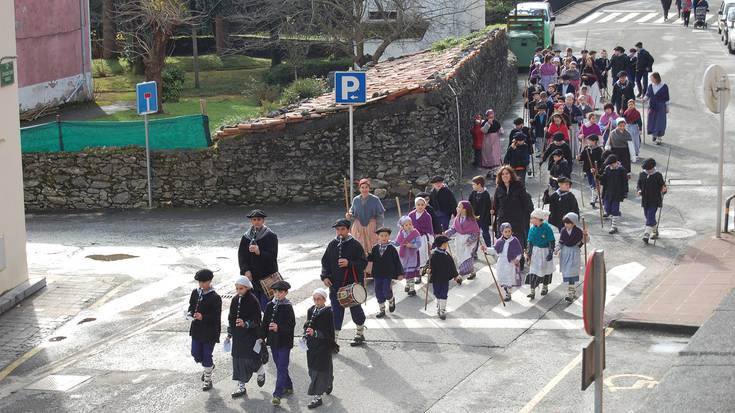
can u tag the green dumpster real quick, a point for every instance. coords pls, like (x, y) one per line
(523, 45)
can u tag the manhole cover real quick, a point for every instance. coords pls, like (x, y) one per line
(111, 257)
(58, 382)
(57, 338)
(683, 182)
(86, 320)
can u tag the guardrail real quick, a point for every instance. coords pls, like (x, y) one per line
(727, 212)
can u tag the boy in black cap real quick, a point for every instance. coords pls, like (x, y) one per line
(538, 125)
(651, 189)
(614, 188)
(442, 269)
(561, 202)
(385, 266)
(518, 155)
(443, 201)
(205, 311)
(623, 91)
(558, 143)
(558, 167)
(591, 158)
(277, 329)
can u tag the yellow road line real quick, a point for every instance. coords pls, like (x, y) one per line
(22, 359)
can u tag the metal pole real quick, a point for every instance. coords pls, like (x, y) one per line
(721, 156)
(352, 155)
(599, 334)
(148, 162)
(459, 140)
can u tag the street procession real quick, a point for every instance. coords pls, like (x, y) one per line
(583, 123)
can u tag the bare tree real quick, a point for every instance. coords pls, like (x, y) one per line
(147, 27)
(109, 35)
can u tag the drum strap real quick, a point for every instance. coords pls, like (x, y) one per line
(354, 275)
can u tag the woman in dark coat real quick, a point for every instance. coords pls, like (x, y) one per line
(320, 344)
(658, 106)
(243, 329)
(512, 204)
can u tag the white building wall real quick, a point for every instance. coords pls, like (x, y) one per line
(13, 265)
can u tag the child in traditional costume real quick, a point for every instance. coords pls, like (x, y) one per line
(279, 322)
(482, 204)
(558, 168)
(614, 180)
(540, 253)
(442, 269)
(591, 158)
(571, 239)
(423, 222)
(385, 266)
(205, 313)
(242, 330)
(509, 252)
(634, 124)
(651, 189)
(409, 247)
(466, 233)
(320, 344)
(561, 202)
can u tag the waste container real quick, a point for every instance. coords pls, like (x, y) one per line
(523, 45)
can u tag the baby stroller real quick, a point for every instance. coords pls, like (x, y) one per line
(700, 17)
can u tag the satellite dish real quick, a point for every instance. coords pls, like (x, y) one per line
(715, 80)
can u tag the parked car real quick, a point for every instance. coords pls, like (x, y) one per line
(725, 6)
(730, 30)
(543, 9)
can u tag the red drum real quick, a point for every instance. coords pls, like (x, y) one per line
(351, 295)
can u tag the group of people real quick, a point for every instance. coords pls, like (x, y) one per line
(684, 9)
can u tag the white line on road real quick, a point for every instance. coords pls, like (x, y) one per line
(591, 17)
(629, 16)
(617, 279)
(646, 18)
(609, 17)
(474, 323)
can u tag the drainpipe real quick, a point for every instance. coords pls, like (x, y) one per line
(459, 140)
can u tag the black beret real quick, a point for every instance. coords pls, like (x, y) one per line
(204, 275)
(593, 138)
(557, 152)
(563, 180)
(422, 195)
(649, 163)
(342, 223)
(611, 159)
(437, 178)
(558, 136)
(520, 136)
(281, 286)
(257, 213)
(639, 45)
(383, 229)
(440, 239)
(622, 73)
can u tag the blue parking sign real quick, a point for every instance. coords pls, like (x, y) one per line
(147, 98)
(350, 87)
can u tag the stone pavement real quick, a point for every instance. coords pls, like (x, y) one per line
(34, 320)
(686, 296)
(581, 9)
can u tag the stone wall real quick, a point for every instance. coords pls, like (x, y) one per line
(399, 144)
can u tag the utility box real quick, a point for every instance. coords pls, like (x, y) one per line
(523, 45)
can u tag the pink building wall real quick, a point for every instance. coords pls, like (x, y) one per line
(53, 49)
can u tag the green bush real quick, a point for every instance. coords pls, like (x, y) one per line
(267, 107)
(106, 67)
(260, 92)
(283, 74)
(303, 89)
(173, 84)
(497, 10)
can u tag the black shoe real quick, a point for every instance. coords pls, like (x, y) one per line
(329, 390)
(207, 386)
(593, 204)
(442, 315)
(315, 403)
(459, 281)
(613, 231)
(357, 341)
(381, 314)
(544, 290)
(605, 215)
(507, 297)
(261, 380)
(392, 305)
(418, 280)
(239, 393)
(532, 294)
(412, 293)
(407, 288)
(335, 350)
(472, 276)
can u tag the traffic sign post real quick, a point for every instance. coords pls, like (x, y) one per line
(146, 94)
(350, 88)
(593, 303)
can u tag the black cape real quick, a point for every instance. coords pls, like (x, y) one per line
(283, 315)
(355, 255)
(243, 338)
(319, 348)
(387, 265)
(207, 329)
(261, 265)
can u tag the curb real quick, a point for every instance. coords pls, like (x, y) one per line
(588, 12)
(13, 297)
(625, 324)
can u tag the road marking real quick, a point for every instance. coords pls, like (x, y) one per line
(627, 11)
(629, 16)
(646, 18)
(617, 279)
(473, 323)
(591, 17)
(22, 359)
(609, 17)
(558, 378)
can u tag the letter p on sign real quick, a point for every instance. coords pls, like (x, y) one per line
(350, 87)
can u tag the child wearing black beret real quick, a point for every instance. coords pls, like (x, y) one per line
(205, 313)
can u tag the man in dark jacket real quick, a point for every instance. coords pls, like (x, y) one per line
(344, 263)
(443, 201)
(619, 62)
(518, 156)
(258, 254)
(622, 92)
(644, 66)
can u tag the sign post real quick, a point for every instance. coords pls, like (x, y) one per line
(147, 102)
(593, 356)
(350, 88)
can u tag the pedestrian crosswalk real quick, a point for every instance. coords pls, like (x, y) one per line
(648, 17)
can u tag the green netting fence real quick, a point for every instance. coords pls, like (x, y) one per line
(181, 132)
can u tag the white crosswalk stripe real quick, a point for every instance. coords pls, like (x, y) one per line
(608, 17)
(628, 16)
(636, 16)
(591, 17)
(646, 18)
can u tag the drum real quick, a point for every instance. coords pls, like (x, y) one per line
(351, 295)
(268, 281)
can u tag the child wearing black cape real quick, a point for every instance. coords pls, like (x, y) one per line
(443, 269)
(279, 322)
(385, 266)
(205, 313)
(320, 344)
(243, 330)
(651, 189)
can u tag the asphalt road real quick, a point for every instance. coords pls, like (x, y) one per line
(482, 358)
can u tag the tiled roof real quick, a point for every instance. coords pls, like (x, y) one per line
(386, 81)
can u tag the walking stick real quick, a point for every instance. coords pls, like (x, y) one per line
(584, 238)
(597, 187)
(398, 205)
(658, 220)
(643, 121)
(426, 297)
(494, 279)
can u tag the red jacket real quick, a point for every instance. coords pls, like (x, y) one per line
(553, 129)
(477, 136)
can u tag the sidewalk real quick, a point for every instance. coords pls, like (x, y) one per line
(689, 293)
(581, 9)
